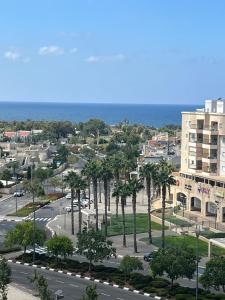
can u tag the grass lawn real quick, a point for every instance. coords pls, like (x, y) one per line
(177, 221)
(142, 224)
(190, 241)
(27, 209)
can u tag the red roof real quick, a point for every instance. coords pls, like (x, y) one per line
(24, 133)
(9, 134)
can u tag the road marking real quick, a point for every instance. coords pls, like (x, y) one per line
(119, 298)
(24, 273)
(107, 295)
(74, 285)
(40, 219)
(59, 281)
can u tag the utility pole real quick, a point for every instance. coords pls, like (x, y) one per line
(32, 186)
(197, 232)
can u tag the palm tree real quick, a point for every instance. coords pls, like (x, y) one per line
(165, 179)
(135, 185)
(93, 168)
(122, 190)
(148, 172)
(106, 176)
(70, 180)
(117, 163)
(79, 185)
(86, 173)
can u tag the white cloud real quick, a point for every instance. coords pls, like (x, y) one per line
(51, 50)
(106, 58)
(12, 55)
(73, 50)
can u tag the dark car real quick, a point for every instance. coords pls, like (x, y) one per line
(149, 256)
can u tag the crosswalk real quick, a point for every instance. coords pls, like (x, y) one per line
(37, 219)
(38, 249)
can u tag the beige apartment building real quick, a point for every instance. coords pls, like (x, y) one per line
(200, 184)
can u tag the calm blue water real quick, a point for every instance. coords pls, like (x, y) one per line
(148, 114)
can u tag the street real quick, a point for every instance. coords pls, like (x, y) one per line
(73, 288)
(9, 205)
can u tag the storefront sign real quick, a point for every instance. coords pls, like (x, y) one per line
(203, 190)
(219, 194)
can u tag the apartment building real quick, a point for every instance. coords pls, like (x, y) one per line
(200, 184)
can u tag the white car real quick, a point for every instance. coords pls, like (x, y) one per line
(68, 196)
(18, 194)
(69, 208)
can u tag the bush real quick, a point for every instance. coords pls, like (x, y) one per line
(159, 283)
(139, 281)
(185, 297)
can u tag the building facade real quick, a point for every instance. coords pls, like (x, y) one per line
(200, 184)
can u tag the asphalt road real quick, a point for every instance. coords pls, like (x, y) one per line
(73, 288)
(9, 205)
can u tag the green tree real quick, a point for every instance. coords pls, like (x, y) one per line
(174, 262)
(93, 245)
(41, 286)
(23, 235)
(117, 163)
(6, 175)
(148, 172)
(129, 264)
(135, 186)
(106, 176)
(93, 168)
(60, 245)
(90, 293)
(122, 190)
(5, 274)
(214, 274)
(165, 180)
(62, 153)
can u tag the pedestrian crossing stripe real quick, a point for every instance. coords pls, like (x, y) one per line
(38, 219)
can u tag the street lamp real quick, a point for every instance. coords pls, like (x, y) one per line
(217, 203)
(32, 187)
(197, 232)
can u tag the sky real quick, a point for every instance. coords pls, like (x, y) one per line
(112, 51)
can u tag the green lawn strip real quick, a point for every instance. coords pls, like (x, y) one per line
(28, 208)
(115, 228)
(177, 221)
(190, 241)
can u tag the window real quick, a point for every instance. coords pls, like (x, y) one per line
(223, 154)
(223, 168)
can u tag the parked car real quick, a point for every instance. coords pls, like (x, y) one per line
(69, 208)
(149, 256)
(68, 196)
(18, 194)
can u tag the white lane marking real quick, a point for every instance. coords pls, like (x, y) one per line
(107, 295)
(74, 285)
(24, 273)
(59, 281)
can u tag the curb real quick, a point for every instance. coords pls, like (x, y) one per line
(49, 228)
(85, 278)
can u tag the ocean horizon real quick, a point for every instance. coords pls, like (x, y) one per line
(156, 115)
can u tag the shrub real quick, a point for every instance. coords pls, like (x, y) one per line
(159, 283)
(184, 297)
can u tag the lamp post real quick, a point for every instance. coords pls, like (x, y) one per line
(32, 187)
(216, 212)
(197, 232)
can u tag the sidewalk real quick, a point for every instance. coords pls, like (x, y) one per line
(19, 293)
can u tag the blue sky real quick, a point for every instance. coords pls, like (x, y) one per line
(130, 51)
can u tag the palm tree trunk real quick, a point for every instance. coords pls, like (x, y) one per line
(163, 214)
(89, 193)
(135, 221)
(106, 199)
(95, 186)
(123, 221)
(79, 208)
(72, 213)
(148, 186)
(100, 191)
(117, 197)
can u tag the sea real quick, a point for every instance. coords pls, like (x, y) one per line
(147, 114)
